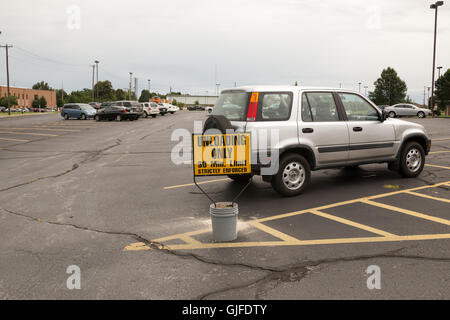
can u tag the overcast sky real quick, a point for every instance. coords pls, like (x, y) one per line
(180, 43)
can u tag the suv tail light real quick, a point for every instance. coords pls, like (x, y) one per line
(124, 110)
(253, 107)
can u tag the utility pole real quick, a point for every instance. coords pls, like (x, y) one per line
(136, 87)
(428, 97)
(93, 73)
(96, 63)
(129, 92)
(424, 88)
(7, 76)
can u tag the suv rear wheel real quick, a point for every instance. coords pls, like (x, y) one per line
(412, 160)
(294, 175)
(145, 115)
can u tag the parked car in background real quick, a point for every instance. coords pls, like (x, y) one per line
(3, 109)
(405, 109)
(150, 109)
(95, 105)
(162, 109)
(195, 108)
(134, 106)
(77, 110)
(105, 104)
(117, 111)
(171, 108)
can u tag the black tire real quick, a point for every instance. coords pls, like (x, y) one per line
(412, 160)
(119, 117)
(83, 116)
(392, 114)
(217, 122)
(97, 117)
(66, 116)
(298, 163)
(145, 115)
(172, 112)
(153, 116)
(162, 114)
(421, 114)
(240, 178)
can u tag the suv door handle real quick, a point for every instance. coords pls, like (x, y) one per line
(357, 129)
(307, 130)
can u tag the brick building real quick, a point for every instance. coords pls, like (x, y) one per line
(26, 96)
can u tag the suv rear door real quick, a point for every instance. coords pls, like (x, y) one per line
(370, 138)
(321, 126)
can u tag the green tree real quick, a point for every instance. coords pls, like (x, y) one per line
(35, 103)
(442, 92)
(12, 101)
(174, 102)
(120, 95)
(42, 102)
(61, 96)
(42, 85)
(105, 91)
(80, 96)
(196, 102)
(389, 88)
(145, 96)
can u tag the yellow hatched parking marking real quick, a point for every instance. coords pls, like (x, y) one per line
(427, 196)
(287, 240)
(353, 224)
(273, 232)
(405, 211)
(434, 152)
(433, 165)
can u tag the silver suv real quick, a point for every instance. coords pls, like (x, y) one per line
(316, 128)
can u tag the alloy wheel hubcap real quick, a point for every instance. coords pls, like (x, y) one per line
(293, 175)
(413, 160)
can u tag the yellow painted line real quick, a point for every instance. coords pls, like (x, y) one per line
(436, 166)
(434, 152)
(44, 129)
(29, 134)
(428, 196)
(273, 232)
(353, 224)
(141, 246)
(408, 212)
(193, 184)
(11, 139)
(440, 139)
(293, 241)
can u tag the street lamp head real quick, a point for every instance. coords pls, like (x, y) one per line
(96, 61)
(437, 4)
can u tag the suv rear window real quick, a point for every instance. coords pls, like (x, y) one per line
(275, 106)
(233, 105)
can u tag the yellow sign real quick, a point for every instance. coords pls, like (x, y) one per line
(221, 154)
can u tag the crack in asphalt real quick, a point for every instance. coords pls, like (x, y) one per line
(300, 271)
(91, 156)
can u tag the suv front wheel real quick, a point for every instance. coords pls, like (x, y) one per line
(412, 160)
(294, 175)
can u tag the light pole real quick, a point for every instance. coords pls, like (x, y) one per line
(217, 85)
(439, 71)
(96, 83)
(149, 85)
(434, 6)
(129, 92)
(365, 90)
(359, 84)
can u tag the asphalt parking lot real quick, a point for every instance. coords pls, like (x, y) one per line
(106, 197)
